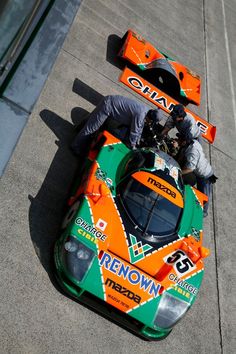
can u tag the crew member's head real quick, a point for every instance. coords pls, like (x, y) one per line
(183, 139)
(154, 116)
(178, 113)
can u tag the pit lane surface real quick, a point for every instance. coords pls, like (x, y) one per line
(35, 316)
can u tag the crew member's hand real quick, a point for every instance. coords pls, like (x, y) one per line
(159, 137)
(175, 143)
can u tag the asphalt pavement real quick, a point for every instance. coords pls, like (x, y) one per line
(35, 316)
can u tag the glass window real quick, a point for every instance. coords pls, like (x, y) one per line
(154, 214)
(146, 160)
(13, 14)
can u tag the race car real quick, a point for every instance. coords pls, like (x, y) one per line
(131, 241)
(161, 70)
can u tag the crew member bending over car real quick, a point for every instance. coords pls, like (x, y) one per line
(184, 123)
(123, 115)
(192, 160)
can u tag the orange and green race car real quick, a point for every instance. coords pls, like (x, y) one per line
(131, 242)
(158, 68)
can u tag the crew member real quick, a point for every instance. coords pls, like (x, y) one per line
(123, 115)
(184, 123)
(192, 160)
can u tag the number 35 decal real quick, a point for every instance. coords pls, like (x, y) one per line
(181, 263)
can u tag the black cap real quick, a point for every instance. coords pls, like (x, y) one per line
(155, 115)
(184, 137)
(178, 111)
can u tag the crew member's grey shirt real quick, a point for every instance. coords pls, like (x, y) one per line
(129, 112)
(122, 110)
(188, 127)
(196, 160)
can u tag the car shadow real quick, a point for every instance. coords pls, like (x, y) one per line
(48, 206)
(114, 44)
(86, 92)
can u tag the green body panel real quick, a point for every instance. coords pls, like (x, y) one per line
(146, 312)
(182, 93)
(180, 292)
(141, 66)
(92, 281)
(111, 161)
(192, 214)
(73, 229)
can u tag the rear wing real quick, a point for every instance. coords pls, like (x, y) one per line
(162, 100)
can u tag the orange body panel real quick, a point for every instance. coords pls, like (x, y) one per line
(154, 267)
(162, 100)
(160, 186)
(203, 198)
(143, 54)
(138, 51)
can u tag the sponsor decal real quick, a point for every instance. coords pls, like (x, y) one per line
(89, 237)
(122, 290)
(126, 272)
(161, 186)
(101, 224)
(183, 284)
(153, 95)
(159, 162)
(181, 291)
(102, 176)
(162, 100)
(109, 181)
(203, 127)
(90, 228)
(122, 303)
(137, 250)
(196, 234)
(180, 262)
(174, 173)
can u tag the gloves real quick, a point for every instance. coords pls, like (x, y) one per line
(131, 147)
(213, 179)
(159, 137)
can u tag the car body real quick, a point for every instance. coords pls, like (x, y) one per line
(161, 70)
(132, 238)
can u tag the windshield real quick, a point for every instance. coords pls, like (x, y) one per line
(153, 213)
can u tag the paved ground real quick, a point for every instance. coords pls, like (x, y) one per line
(35, 316)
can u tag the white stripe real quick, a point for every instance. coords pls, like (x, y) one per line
(185, 279)
(142, 303)
(229, 62)
(100, 268)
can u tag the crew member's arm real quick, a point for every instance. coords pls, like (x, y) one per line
(192, 158)
(186, 170)
(165, 131)
(169, 124)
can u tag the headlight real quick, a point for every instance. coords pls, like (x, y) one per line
(77, 258)
(170, 311)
